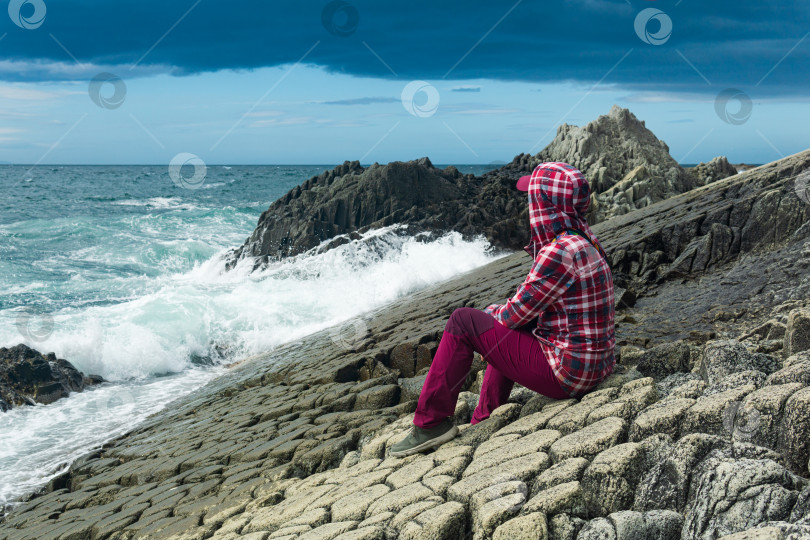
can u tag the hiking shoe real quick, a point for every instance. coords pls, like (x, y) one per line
(420, 439)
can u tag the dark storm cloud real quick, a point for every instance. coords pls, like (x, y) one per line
(713, 45)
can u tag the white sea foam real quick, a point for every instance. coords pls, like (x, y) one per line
(174, 203)
(38, 443)
(192, 316)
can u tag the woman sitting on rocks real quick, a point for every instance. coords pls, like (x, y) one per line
(554, 336)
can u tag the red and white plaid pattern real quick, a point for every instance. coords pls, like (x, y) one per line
(569, 289)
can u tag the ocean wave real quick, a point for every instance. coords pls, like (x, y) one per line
(173, 203)
(207, 315)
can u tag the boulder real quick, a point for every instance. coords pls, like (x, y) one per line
(630, 525)
(796, 358)
(796, 372)
(793, 440)
(572, 418)
(674, 382)
(662, 417)
(758, 418)
(609, 483)
(730, 495)
(568, 470)
(724, 357)
(710, 414)
(521, 469)
(411, 387)
(736, 380)
(772, 530)
(564, 527)
(664, 360)
(403, 358)
(565, 498)
(590, 440)
(528, 526)
(797, 334)
(446, 521)
(28, 377)
(665, 484)
(377, 397)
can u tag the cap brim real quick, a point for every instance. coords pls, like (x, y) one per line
(523, 183)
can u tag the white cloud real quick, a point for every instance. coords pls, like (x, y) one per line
(25, 94)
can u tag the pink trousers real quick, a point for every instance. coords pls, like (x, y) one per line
(512, 355)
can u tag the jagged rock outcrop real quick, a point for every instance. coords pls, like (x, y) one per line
(627, 166)
(716, 169)
(28, 377)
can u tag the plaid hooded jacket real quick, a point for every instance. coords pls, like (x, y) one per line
(569, 289)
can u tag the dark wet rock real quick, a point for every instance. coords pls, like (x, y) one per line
(623, 298)
(28, 377)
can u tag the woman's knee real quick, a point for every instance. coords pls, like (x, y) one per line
(468, 321)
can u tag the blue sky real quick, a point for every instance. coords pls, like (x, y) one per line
(323, 82)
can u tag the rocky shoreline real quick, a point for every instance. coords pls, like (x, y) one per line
(702, 431)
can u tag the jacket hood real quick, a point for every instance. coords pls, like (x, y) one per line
(559, 197)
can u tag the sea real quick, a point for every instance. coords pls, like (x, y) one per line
(119, 270)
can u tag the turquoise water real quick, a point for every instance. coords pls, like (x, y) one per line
(120, 271)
